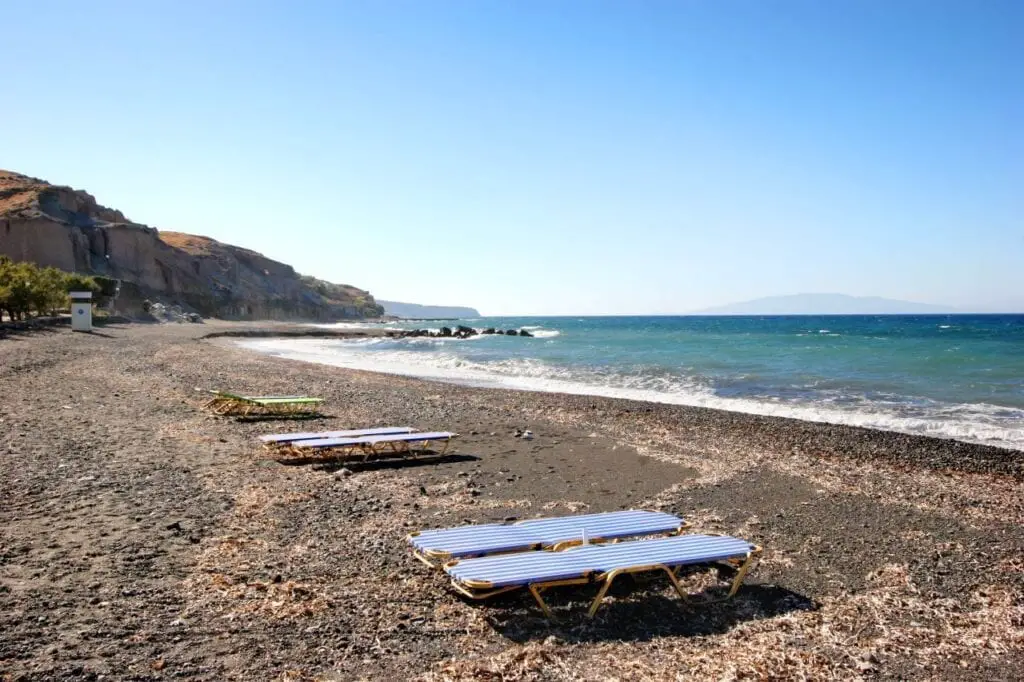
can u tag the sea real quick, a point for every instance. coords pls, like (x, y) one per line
(947, 376)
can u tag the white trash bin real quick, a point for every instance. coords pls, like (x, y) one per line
(81, 311)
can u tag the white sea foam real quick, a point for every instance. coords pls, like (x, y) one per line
(979, 423)
(351, 325)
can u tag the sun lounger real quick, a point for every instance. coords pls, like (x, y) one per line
(599, 564)
(434, 547)
(276, 439)
(399, 444)
(232, 404)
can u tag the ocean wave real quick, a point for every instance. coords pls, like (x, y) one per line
(979, 423)
(350, 325)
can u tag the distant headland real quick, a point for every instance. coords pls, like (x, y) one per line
(415, 310)
(826, 304)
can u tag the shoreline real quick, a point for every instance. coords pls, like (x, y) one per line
(992, 453)
(146, 538)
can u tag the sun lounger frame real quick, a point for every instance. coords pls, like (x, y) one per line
(438, 559)
(234, 405)
(373, 446)
(278, 441)
(481, 589)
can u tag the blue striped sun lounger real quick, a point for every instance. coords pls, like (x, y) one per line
(484, 577)
(274, 439)
(434, 547)
(399, 444)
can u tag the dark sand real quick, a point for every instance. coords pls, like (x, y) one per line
(143, 539)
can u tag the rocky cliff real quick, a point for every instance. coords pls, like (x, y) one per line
(67, 229)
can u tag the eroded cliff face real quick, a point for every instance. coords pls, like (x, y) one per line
(66, 228)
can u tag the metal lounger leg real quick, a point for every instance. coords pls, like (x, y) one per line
(536, 590)
(594, 605)
(747, 565)
(675, 582)
(612, 575)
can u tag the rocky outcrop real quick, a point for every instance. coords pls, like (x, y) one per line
(68, 229)
(459, 332)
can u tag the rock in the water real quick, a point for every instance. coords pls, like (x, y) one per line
(523, 332)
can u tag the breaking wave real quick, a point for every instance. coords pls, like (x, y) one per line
(817, 401)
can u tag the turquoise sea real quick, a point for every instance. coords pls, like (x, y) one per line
(953, 376)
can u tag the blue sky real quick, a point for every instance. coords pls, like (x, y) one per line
(549, 157)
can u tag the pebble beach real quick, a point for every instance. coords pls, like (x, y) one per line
(143, 538)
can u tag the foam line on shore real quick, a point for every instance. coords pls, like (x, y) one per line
(967, 422)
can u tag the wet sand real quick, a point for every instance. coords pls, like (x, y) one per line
(141, 538)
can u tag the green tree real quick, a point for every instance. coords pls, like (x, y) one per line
(25, 287)
(48, 291)
(76, 282)
(5, 286)
(18, 279)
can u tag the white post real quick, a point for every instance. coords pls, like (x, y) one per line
(81, 311)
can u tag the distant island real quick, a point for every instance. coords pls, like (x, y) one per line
(416, 310)
(825, 304)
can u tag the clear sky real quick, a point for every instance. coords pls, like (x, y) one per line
(555, 156)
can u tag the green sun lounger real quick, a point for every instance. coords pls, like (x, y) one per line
(235, 405)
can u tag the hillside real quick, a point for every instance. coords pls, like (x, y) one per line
(415, 310)
(58, 226)
(825, 304)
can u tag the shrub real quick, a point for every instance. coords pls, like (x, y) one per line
(26, 288)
